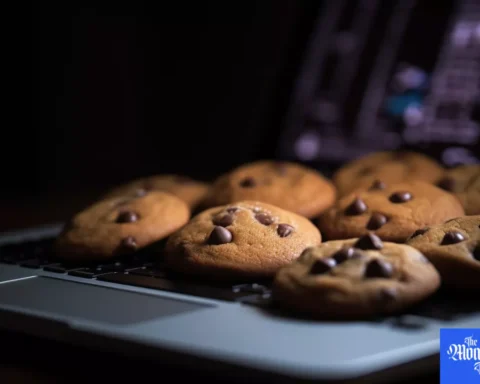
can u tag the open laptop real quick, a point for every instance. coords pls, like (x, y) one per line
(403, 100)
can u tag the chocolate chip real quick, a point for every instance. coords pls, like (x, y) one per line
(357, 207)
(447, 184)
(129, 243)
(223, 220)
(264, 219)
(322, 266)
(219, 235)
(343, 254)
(378, 185)
(401, 197)
(476, 253)
(127, 217)
(232, 209)
(369, 241)
(452, 237)
(284, 230)
(379, 268)
(248, 182)
(377, 220)
(419, 232)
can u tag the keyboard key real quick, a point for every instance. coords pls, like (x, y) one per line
(147, 272)
(121, 266)
(263, 300)
(88, 273)
(251, 288)
(35, 263)
(14, 259)
(173, 286)
(60, 268)
(94, 271)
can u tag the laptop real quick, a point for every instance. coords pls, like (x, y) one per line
(402, 100)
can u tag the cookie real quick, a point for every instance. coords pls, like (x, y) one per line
(287, 185)
(189, 190)
(454, 249)
(121, 225)
(389, 167)
(464, 182)
(393, 212)
(355, 278)
(243, 240)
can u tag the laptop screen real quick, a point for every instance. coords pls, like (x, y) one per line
(386, 75)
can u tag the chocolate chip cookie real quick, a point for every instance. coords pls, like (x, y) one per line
(189, 190)
(454, 249)
(355, 278)
(393, 212)
(240, 241)
(121, 225)
(286, 185)
(464, 182)
(389, 167)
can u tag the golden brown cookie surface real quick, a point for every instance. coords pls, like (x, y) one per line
(286, 185)
(454, 249)
(464, 182)
(393, 212)
(388, 167)
(355, 278)
(246, 239)
(189, 190)
(121, 225)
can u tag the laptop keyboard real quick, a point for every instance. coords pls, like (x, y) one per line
(138, 270)
(141, 270)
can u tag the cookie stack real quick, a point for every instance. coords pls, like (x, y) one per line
(382, 235)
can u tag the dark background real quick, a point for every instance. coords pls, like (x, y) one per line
(125, 90)
(120, 90)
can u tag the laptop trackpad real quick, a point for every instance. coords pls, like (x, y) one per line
(94, 303)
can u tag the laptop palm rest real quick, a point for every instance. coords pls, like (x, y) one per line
(93, 303)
